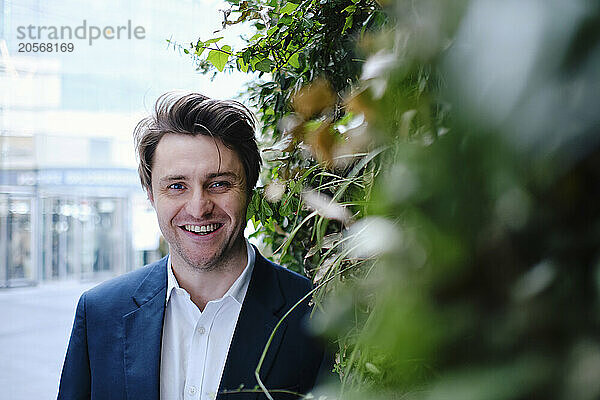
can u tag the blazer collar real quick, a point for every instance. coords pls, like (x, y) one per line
(259, 315)
(264, 285)
(155, 281)
(143, 333)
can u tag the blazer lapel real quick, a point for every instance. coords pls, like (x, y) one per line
(257, 320)
(143, 333)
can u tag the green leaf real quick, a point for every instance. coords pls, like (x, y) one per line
(294, 60)
(348, 23)
(256, 36)
(246, 55)
(250, 211)
(214, 40)
(349, 9)
(288, 8)
(242, 65)
(287, 20)
(219, 58)
(256, 222)
(272, 30)
(264, 65)
(286, 208)
(266, 209)
(200, 51)
(186, 51)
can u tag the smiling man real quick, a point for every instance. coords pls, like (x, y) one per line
(194, 324)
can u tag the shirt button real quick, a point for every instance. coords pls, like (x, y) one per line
(192, 390)
(201, 330)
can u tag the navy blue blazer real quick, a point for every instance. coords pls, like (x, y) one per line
(115, 345)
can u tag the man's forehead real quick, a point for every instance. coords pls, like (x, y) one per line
(178, 154)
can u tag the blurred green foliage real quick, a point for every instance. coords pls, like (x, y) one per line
(434, 167)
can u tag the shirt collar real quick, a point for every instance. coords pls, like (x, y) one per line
(237, 290)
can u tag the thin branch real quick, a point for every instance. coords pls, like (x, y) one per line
(264, 353)
(260, 391)
(217, 49)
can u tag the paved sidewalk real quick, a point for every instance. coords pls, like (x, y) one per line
(35, 324)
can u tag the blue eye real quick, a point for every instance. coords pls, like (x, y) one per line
(220, 184)
(176, 186)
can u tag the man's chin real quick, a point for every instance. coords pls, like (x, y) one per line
(205, 263)
(213, 261)
(208, 260)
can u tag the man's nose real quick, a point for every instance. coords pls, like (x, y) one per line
(199, 204)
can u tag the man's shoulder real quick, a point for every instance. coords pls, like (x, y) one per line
(124, 286)
(291, 282)
(290, 276)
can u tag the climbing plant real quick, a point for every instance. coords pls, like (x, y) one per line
(433, 168)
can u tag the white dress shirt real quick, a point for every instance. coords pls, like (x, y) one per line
(195, 344)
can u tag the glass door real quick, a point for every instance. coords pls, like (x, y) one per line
(16, 264)
(84, 238)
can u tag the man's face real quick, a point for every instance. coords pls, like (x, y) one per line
(200, 200)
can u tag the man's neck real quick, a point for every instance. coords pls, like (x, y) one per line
(211, 284)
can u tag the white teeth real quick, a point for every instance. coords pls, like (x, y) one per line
(202, 229)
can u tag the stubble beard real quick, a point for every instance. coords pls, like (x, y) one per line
(221, 261)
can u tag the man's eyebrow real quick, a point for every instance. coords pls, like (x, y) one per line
(170, 178)
(222, 174)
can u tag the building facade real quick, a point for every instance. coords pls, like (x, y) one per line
(71, 206)
(67, 223)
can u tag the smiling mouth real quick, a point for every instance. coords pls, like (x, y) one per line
(202, 229)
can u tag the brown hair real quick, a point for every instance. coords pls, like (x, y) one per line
(195, 114)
